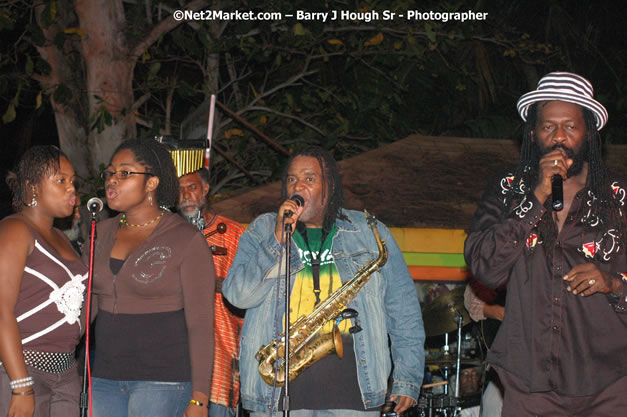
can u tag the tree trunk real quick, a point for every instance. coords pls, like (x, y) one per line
(109, 70)
(101, 77)
(69, 115)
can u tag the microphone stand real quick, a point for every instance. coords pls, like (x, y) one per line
(458, 362)
(288, 250)
(85, 397)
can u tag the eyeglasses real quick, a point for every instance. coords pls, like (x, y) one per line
(121, 175)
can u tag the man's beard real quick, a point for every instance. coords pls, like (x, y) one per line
(189, 208)
(578, 158)
(192, 212)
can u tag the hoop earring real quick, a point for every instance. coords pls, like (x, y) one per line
(150, 199)
(33, 202)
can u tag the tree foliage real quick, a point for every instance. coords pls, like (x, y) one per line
(130, 69)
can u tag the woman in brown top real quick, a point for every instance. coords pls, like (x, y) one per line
(41, 281)
(153, 289)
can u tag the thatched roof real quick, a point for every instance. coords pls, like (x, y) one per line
(419, 181)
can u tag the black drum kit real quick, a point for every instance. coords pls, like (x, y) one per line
(444, 315)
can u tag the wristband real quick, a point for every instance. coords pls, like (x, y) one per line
(198, 403)
(29, 392)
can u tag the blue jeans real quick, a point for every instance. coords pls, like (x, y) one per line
(216, 410)
(139, 398)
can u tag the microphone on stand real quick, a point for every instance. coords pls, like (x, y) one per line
(557, 192)
(95, 205)
(300, 201)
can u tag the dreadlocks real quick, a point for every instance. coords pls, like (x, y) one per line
(331, 180)
(604, 209)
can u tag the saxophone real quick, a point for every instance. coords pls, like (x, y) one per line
(305, 350)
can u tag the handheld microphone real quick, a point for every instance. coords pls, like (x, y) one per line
(557, 192)
(300, 201)
(94, 205)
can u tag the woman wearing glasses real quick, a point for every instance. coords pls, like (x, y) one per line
(41, 291)
(153, 286)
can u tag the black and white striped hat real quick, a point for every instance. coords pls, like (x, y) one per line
(564, 86)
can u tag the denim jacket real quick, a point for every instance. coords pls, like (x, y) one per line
(387, 306)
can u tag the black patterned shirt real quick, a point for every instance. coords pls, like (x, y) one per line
(552, 339)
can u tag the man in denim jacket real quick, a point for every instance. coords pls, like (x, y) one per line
(329, 244)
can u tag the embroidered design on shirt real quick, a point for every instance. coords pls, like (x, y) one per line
(532, 241)
(619, 192)
(506, 183)
(588, 218)
(151, 264)
(608, 245)
(68, 298)
(519, 188)
(589, 249)
(522, 209)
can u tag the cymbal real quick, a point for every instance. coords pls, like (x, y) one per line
(440, 316)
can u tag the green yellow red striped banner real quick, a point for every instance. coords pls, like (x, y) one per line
(433, 254)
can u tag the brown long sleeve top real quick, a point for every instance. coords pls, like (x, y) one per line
(171, 272)
(550, 338)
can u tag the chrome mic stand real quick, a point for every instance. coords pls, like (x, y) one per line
(288, 285)
(458, 363)
(94, 205)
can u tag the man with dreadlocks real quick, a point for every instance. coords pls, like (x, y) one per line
(561, 348)
(329, 245)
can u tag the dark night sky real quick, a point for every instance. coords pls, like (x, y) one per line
(601, 18)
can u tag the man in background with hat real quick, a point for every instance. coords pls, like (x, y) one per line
(222, 236)
(560, 350)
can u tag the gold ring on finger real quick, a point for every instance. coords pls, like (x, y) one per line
(591, 282)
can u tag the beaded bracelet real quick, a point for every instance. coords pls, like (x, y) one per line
(198, 403)
(22, 383)
(17, 381)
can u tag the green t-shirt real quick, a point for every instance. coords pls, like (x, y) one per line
(331, 383)
(312, 250)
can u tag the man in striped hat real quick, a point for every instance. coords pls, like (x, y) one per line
(553, 229)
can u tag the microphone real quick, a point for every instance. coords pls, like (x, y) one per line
(94, 205)
(300, 201)
(557, 192)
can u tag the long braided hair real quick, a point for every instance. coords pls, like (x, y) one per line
(605, 207)
(331, 184)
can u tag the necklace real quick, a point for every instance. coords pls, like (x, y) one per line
(124, 222)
